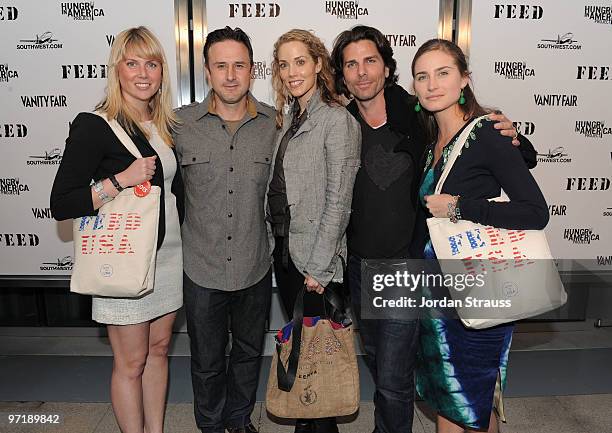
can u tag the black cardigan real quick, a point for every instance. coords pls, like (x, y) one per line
(488, 165)
(93, 151)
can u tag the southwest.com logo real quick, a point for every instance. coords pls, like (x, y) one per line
(563, 42)
(63, 264)
(43, 41)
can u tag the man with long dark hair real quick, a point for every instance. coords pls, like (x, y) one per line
(384, 206)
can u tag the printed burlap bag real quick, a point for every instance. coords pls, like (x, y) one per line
(317, 375)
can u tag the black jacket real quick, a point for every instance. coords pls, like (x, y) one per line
(93, 151)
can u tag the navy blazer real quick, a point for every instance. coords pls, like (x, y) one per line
(93, 151)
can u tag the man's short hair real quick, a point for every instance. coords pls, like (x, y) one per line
(227, 34)
(356, 34)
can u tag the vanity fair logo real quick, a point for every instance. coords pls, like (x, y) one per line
(7, 74)
(556, 100)
(81, 11)
(261, 71)
(563, 42)
(582, 236)
(345, 10)
(599, 14)
(513, 70)
(63, 264)
(592, 128)
(557, 209)
(12, 130)
(52, 157)
(397, 40)
(44, 41)
(8, 13)
(515, 11)
(44, 101)
(557, 155)
(525, 128)
(41, 213)
(12, 186)
(604, 260)
(254, 10)
(110, 39)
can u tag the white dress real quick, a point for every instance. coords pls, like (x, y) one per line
(167, 294)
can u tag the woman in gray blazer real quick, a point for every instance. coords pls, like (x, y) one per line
(311, 184)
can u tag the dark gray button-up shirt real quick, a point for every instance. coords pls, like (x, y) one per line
(225, 244)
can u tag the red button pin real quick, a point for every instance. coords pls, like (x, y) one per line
(143, 189)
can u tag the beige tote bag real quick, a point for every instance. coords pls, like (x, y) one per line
(115, 250)
(516, 266)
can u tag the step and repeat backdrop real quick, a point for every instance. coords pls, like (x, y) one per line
(406, 24)
(547, 65)
(52, 66)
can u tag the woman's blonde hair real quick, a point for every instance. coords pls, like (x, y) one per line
(325, 78)
(141, 42)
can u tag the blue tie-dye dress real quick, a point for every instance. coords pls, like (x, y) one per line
(461, 372)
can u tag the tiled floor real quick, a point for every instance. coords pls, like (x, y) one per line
(567, 414)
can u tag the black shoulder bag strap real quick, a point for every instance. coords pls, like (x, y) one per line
(286, 377)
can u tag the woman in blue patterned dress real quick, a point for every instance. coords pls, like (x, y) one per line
(461, 372)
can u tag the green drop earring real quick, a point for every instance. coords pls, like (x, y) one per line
(461, 98)
(417, 107)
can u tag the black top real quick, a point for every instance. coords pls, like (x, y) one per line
(277, 190)
(93, 151)
(385, 189)
(490, 164)
(381, 193)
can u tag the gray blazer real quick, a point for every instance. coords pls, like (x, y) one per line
(320, 165)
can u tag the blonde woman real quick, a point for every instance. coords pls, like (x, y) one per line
(310, 191)
(138, 97)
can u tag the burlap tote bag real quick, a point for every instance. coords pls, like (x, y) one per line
(317, 376)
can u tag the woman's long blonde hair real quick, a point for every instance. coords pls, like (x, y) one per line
(141, 42)
(325, 78)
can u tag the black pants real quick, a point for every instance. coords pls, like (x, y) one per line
(290, 282)
(224, 394)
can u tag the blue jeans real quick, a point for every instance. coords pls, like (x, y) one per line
(390, 353)
(224, 394)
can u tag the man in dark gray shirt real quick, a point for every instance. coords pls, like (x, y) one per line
(225, 147)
